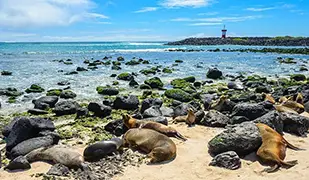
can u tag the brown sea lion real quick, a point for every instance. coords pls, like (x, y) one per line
(281, 108)
(61, 154)
(283, 99)
(300, 99)
(158, 147)
(219, 103)
(273, 148)
(294, 105)
(305, 114)
(131, 122)
(269, 98)
(189, 118)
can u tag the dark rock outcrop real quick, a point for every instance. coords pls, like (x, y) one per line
(66, 108)
(295, 124)
(214, 118)
(126, 102)
(99, 109)
(243, 138)
(19, 163)
(229, 160)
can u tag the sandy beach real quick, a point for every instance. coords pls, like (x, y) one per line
(192, 162)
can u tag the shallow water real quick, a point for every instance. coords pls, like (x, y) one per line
(33, 63)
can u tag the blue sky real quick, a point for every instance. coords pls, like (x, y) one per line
(149, 20)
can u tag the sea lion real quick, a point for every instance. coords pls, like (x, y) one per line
(269, 98)
(281, 108)
(305, 114)
(218, 105)
(299, 98)
(157, 146)
(131, 122)
(189, 118)
(61, 154)
(283, 99)
(273, 148)
(100, 149)
(294, 105)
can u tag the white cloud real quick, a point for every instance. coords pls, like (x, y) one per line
(260, 9)
(146, 9)
(38, 13)
(185, 3)
(205, 24)
(218, 19)
(208, 14)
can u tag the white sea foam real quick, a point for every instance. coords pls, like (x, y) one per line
(145, 44)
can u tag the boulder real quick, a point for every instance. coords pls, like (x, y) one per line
(81, 69)
(110, 91)
(45, 102)
(207, 100)
(67, 94)
(214, 73)
(238, 119)
(182, 109)
(273, 120)
(295, 124)
(228, 160)
(126, 102)
(99, 110)
(154, 82)
(235, 86)
(34, 88)
(199, 116)
(66, 108)
(82, 112)
(179, 95)
(167, 112)
(133, 83)
(125, 77)
(242, 138)
(251, 111)
(58, 170)
(149, 102)
(116, 127)
(19, 163)
(37, 111)
(214, 118)
(153, 111)
(29, 145)
(23, 128)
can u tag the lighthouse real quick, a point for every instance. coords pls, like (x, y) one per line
(224, 32)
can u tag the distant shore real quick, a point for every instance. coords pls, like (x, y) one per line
(247, 41)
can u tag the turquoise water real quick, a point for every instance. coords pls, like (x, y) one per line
(33, 63)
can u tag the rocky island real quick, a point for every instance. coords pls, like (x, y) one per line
(247, 41)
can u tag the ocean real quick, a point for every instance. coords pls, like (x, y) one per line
(33, 63)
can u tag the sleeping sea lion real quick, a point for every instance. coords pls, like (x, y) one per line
(273, 148)
(282, 99)
(100, 149)
(281, 108)
(189, 118)
(158, 147)
(294, 105)
(131, 122)
(61, 154)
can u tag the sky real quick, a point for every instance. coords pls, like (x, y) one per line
(149, 20)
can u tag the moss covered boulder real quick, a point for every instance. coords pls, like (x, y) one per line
(190, 79)
(120, 58)
(167, 70)
(106, 90)
(144, 86)
(179, 95)
(54, 92)
(34, 88)
(68, 94)
(154, 82)
(125, 76)
(298, 77)
(132, 63)
(149, 71)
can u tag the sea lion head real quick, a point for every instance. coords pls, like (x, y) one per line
(283, 99)
(269, 98)
(190, 111)
(299, 98)
(129, 121)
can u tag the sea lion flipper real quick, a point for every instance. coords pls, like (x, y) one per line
(271, 169)
(291, 146)
(179, 136)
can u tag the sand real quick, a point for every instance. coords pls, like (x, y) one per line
(192, 162)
